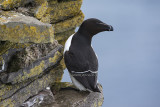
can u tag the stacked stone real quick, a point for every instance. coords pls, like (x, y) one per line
(30, 56)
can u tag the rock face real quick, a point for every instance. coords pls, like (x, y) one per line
(16, 27)
(32, 35)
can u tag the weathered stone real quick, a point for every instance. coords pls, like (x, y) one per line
(69, 23)
(37, 10)
(42, 99)
(10, 4)
(62, 63)
(69, 97)
(61, 85)
(63, 9)
(30, 58)
(31, 54)
(22, 94)
(24, 65)
(7, 50)
(41, 10)
(46, 18)
(16, 27)
(62, 37)
(7, 90)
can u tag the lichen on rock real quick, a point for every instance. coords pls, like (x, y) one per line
(69, 23)
(33, 67)
(66, 93)
(63, 10)
(22, 94)
(16, 27)
(31, 59)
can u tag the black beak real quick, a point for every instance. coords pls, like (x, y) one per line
(110, 28)
(106, 27)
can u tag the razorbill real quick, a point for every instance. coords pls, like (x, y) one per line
(80, 58)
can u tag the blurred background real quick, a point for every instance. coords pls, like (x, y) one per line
(129, 57)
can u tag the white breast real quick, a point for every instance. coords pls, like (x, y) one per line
(68, 43)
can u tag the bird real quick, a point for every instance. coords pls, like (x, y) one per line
(79, 56)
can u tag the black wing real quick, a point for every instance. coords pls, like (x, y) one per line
(80, 68)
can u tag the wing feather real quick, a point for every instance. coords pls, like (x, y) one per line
(80, 66)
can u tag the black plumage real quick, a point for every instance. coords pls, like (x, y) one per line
(80, 58)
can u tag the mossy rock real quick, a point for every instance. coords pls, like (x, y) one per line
(62, 37)
(23, 93)
(7, 50)
(18, 28)
(69, 24)
(11, 4)
(25, 65)
(63, 10)
(71, 97)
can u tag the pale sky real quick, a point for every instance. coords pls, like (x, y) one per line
(129, 57)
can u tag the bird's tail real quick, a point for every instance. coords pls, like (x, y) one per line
(96, 89)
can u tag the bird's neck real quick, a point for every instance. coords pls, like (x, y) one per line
(84, 39)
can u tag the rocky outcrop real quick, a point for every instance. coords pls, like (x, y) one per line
(32, 35)
(64, 94)
(16, 27)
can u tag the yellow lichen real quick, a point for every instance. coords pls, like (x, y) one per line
(55, 58)
(62, 37)
(63, 10)
(100, 103)
(69, 24)
(9, 4)
(27, 34)
(23, 32)
(8, 103)
(95, 104)
(4, 48)
(3, 20)
(41, 10)
(33, 72)
(46, 18)
(62, 63)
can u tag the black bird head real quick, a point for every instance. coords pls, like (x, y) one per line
(93, 26)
